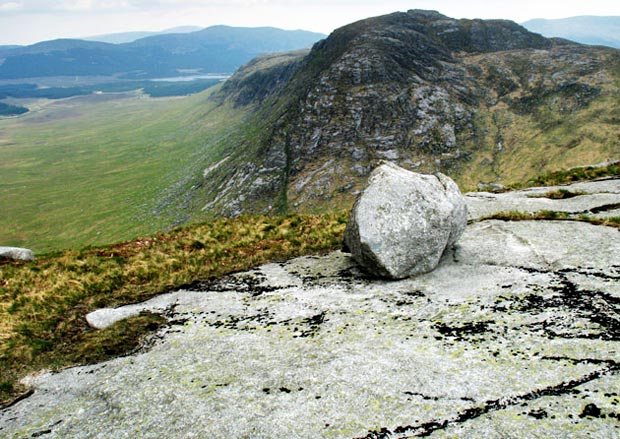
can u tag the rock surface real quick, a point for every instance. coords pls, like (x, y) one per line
(402, 222)
(597, 198)
(16, 253)
(516, 334)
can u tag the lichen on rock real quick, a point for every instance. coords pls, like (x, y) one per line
(516, 331)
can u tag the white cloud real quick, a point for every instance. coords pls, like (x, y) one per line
(10, 6)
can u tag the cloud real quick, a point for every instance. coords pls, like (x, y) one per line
(54, 6)
(10, 6)
(43, 6)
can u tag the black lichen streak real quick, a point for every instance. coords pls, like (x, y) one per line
(427, 428)
(314, 325)
(301, 328)
(591, 410)
(434, 398)
(600, 309)
(593, 273)
(248, 283)
(464, 331)
(538, 414)
(47, 431)
(409, 299)
(248, 322)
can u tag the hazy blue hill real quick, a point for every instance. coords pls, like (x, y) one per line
(219, 49)
(71, 57)
(247, 39)
(130, 37)
(59, 45)
(604, 31)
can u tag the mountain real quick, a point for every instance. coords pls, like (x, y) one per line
(604, 31)
(483, 101)
(53, 47)
(129, 37)
(218, 49)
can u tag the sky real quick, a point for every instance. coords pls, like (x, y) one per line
(30, 21)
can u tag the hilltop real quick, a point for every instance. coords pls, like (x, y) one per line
(131, 36)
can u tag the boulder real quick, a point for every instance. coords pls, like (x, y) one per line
(16, 253)
(402, 222)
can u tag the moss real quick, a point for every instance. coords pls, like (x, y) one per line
(560, 194)
(551, 215)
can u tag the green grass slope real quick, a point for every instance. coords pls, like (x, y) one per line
(105, 168)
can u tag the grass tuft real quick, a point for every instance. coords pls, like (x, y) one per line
(560, 194)
(552, 215)
(573, 175)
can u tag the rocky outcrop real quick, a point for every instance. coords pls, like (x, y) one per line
(515, 334)
(481, 101)
(402, 222)
(600, 199)
(16, 253)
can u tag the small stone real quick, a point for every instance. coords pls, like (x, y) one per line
(16, 253)
(403, 222)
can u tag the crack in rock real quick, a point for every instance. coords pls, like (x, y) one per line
(427, 428)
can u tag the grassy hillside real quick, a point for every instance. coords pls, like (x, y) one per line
(544, 127)
(105, 168)
(43, 303)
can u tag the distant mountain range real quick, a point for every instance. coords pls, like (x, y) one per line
(602, 31)
(130, 37)
(216, 49)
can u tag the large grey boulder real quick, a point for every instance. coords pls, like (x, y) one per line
(402, 222)
(16, 253)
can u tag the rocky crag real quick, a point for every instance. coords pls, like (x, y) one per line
(481, 101)
(516, 334)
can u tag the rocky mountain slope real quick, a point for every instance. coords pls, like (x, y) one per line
(482, 101)
(514, 335)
